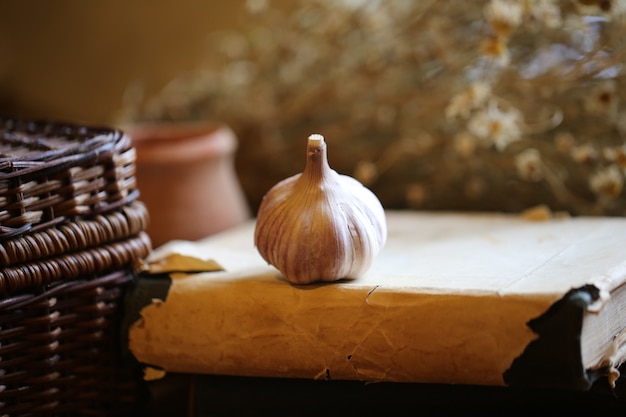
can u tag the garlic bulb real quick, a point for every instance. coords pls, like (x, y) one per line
(319, 225)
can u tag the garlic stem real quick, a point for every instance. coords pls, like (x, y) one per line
(317, 160)
(316, 139)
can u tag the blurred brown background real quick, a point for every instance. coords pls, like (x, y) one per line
(74, 60)
(533, 138)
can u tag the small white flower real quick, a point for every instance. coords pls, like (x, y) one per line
(607, 182)
(603, 99)
(497, 126)
(529, 165)
(496, 50)
(547, 12)
(584, 154)
(504, 15)
(463, 103)
(616, 155)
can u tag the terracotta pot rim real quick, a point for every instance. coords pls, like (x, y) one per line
(175, 142)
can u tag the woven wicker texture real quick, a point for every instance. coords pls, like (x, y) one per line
(50, 172)
(99, 259)
(59, 351)
(71, 233)
(71, 236)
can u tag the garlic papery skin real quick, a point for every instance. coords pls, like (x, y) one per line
(320, 226)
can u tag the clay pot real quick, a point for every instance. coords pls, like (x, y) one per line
(187, 179)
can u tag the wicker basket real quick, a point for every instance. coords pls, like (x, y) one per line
(71, 234)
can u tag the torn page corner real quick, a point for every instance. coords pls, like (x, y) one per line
(152, 374)
(179, 256)
(324, 374)
(601, 297)
(613, 358)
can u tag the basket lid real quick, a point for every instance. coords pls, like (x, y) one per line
(52, 171)
(28, 146)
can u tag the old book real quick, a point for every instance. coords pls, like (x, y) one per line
(454, 298)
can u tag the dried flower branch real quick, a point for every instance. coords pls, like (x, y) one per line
(486, 105)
